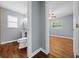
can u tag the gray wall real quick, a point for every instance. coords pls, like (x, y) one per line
(66, 30)
(36, 27)
(43, 25)
(9, 34)
(0, 25)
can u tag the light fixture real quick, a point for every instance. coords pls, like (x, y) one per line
(51, 15)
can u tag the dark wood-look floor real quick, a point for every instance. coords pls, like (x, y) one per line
(40, 55)
(59, 48)
(10, 50)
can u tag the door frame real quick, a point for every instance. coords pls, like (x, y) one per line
(29, 30)
(75, 21)
(47, 32)
(47, 29)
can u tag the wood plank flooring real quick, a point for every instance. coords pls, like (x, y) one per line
(59, 48)
(40, 55)
(10, 50)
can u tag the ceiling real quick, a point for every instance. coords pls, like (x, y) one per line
(61, 8)
(18, 6)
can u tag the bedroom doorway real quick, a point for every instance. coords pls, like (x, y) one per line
(59, 30)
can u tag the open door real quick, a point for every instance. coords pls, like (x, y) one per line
(75, 28)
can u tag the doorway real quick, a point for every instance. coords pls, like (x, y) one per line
(13, 39)
(60, 30)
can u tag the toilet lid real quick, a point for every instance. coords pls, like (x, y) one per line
(22, 39)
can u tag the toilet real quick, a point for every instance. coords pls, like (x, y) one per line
(22, 42)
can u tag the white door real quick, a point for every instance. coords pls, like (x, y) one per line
(75, 28)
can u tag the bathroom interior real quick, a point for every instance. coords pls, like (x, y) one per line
(13, 31)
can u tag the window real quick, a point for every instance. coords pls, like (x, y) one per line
(55, 24)
(12, 22)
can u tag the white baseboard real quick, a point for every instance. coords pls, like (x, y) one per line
(35, 52)
(62, 36)
(8, 42)
(43, 50)
(38, 50)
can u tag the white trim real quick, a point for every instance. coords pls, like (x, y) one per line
(35, 52)
(47, 29)
(29, 40)
(8, 42)
(43, 50)
(75, 18)
(62, 36)
(38, 50)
